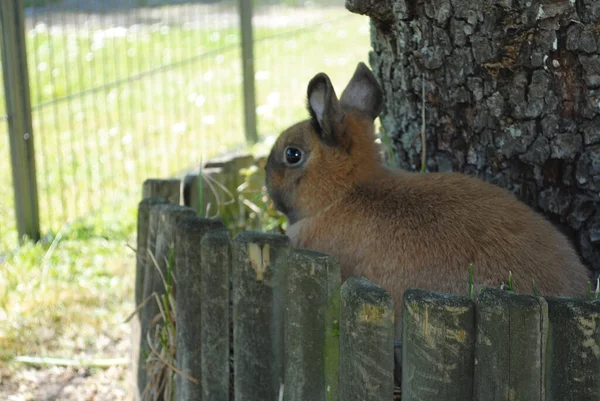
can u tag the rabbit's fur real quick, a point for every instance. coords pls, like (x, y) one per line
(406, 230)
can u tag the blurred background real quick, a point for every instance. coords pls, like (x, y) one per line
(121, 91)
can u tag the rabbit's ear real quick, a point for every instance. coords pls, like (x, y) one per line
(363, 93)
(325, 109)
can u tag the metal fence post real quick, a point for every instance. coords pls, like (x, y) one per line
(18, 109)
(245, 12)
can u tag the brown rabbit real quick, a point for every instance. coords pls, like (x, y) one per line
(405, 230)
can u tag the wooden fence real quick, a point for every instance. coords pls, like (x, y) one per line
(300, 335)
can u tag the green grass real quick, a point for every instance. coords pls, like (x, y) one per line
(58, 295)
(94, 151)
(98, 147)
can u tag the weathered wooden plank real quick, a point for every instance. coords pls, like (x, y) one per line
(573, 366)
(153, 227)
(366, 341)
(143, 228)
(332, 329)
(510, 346)
(310, 364)
(258, 266)
(170, 189)
(161, 240)
(143, 231)
(437, 346)
(188, 299)
(215, 316)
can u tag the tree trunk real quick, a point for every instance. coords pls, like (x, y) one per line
(511, 94)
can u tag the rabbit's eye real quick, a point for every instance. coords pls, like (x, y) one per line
(293, 155)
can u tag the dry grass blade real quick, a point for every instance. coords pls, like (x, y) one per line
(252, 206)
(162, 277)
(50, 251)
(87, 363)
(157, 371)
(161, 340)
(222, 187)
(138, 309)
(168, 317)
(161, 358)
(162, 350)
(213, 185)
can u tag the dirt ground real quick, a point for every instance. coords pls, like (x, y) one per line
(26, 383)
(65, 384)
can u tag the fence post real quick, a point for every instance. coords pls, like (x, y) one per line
(150, 249)
(510, 346)
(332, 329)
(215, 315)
(18, 109)
(189, 298)
(366, 342)
(161, 239)
(573, 367)
(438, 337)
(169, 189)
(257, 266)
(245, 11)
(311, 360)
(143, 231)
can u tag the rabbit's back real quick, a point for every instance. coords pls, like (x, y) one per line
(405, 230)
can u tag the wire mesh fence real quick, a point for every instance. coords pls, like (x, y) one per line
(292, 44)
(125, 90)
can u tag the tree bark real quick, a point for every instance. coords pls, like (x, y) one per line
(512, 95)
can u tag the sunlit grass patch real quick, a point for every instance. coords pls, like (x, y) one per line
(68, 295)
(157, 100)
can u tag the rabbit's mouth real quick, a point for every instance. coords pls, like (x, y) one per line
(279, 201)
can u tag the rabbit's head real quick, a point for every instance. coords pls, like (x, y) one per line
(316, 161)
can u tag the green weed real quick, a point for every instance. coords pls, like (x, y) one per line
(385, 139)
(471, 280)
(161, 338)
